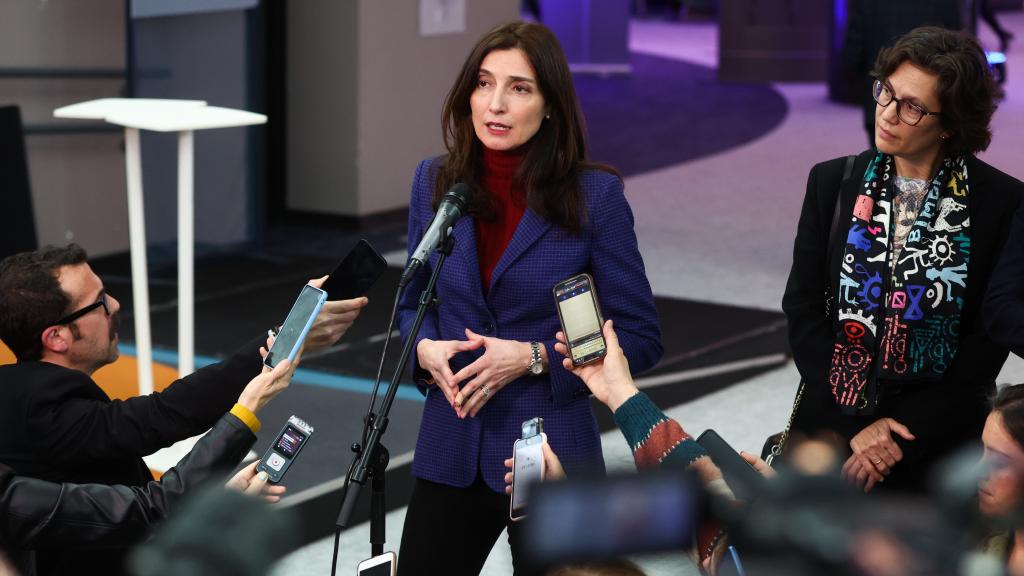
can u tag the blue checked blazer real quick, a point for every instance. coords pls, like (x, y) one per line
(519, 306)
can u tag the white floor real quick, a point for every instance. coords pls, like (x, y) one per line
(720, 229)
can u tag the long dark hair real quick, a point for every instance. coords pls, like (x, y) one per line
(550, 172)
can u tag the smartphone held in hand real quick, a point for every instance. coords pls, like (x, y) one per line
(581, 319)
(293, 332)
(527, 466)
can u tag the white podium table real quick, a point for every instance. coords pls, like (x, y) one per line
(183, 117)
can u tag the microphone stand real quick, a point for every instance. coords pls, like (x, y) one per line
(372, 460)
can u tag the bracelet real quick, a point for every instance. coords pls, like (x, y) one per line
(714, 542)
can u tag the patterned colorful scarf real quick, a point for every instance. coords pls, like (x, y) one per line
(904, 325)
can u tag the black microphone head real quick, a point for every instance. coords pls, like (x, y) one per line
(460, 194)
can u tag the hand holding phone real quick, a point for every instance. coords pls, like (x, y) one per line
(581, 319)
(293, 332)
(745, 482)
(527, 466)
(609, 380)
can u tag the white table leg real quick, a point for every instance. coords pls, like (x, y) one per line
(140, 273)
(186, 290)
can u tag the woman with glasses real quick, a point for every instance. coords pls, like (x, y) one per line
(891, 261)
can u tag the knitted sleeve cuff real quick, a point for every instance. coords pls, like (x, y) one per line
(247, 417)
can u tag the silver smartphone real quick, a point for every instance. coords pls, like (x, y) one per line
(581, 319)
(527, 466)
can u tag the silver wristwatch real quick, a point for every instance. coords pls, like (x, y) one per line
(536, 365)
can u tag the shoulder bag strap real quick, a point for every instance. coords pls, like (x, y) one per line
(832, 232)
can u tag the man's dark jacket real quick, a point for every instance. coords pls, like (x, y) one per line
(56, 424)
(38, 517)
(942, 414)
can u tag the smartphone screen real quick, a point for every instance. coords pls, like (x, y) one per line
(581, 318)
(383, 565)
(293, 332)
(527, 469)
(356, 273)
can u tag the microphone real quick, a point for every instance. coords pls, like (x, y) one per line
(452, 207)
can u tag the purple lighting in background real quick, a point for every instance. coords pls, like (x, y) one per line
(838, 23)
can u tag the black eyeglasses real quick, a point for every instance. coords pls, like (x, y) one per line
(83, 311)
(907, 112)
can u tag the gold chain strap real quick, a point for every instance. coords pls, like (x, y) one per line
(777, 448)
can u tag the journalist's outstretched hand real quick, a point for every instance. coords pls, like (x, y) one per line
(334, 319)
(608, 379)
(249, 482)
(552, 467)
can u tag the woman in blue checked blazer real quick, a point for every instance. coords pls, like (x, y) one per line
(540, 213)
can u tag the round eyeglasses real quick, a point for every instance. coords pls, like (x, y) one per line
(907, 112)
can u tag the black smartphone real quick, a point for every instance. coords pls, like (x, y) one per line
(285, 449)
(356, 273)
(581, 319)
(745, 482)
(591, 518)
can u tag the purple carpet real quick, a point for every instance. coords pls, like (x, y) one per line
(667, 112)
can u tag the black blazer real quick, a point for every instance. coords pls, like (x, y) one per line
(48, 516)
(56, 424)
(1004, 305)
(938, 414)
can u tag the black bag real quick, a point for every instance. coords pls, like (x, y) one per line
(776, 443)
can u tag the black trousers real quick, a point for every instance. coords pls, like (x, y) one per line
(451, 530)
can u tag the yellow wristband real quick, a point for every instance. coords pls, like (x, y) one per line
(247, 417)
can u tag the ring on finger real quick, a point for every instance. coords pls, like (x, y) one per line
(879, 461)
(486, 392)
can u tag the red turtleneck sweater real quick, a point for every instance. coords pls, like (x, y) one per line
(493, 236)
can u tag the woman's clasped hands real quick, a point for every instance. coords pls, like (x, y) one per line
(469, 389)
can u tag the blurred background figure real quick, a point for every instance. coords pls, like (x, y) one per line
(989, 16)
(1001, 492)
(219, 533)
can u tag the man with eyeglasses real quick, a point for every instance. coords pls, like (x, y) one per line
(56, 424)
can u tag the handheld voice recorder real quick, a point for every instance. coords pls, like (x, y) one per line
(285, 449)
